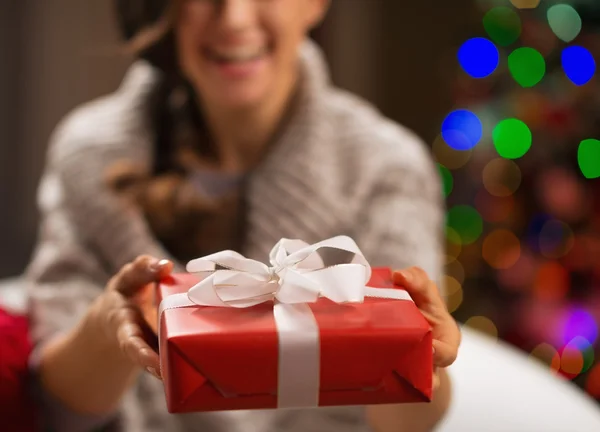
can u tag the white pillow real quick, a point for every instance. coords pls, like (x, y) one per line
(499, 389)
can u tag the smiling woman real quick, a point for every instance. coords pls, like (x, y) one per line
(226, 134)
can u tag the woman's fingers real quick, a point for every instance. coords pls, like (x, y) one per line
(445, 352)
(417, 283)
(131, 340)
(428, 299)
(436, 379)
(141, 272)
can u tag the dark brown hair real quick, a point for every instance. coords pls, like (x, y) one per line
(147, 27)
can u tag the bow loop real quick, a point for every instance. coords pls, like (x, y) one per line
(297, 275)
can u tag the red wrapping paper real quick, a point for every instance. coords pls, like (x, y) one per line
(217, 359)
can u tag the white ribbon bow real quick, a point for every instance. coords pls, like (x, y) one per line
(297, 276)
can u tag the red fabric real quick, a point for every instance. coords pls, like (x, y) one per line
(16, 406)
(374, 352)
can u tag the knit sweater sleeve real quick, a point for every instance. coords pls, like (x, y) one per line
(118, 232)
(86, 235)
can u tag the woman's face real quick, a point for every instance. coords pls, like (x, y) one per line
(239, 53)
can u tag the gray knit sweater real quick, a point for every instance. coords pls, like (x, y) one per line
(339, 167)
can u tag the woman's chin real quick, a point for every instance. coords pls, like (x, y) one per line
(240, 99)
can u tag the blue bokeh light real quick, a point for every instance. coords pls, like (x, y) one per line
(479, 57)
(462, 130)
(580, 323)
(579, 64)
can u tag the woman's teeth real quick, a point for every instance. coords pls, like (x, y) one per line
(239, 55)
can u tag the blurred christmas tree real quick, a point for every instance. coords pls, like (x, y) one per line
(520, 157)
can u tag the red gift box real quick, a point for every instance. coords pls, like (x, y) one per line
(217, 358)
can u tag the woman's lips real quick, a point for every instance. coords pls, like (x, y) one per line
(238, 63)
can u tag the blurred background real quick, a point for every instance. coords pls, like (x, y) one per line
(504, 92)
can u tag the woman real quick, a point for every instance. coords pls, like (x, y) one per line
(229, 125)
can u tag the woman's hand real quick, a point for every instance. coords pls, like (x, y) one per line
(446, 334)
(121, 309)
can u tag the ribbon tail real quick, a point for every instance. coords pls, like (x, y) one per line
(387, 293)
(299, 373)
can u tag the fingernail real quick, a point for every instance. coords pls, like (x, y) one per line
(406, 275)
(153, 372)
(159, 265)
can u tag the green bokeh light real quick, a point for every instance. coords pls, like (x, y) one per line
(466, 222)
(588, 157)
(512, 138)
(503, 25)
(586, 349)
(564, 21)
(447, 179)
(527, 66)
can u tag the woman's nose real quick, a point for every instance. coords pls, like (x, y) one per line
(237, 14)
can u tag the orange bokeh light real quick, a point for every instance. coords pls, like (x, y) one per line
(571, 361)
(501, 249)
(548, 355)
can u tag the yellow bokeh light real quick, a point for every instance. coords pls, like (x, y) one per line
(501, 177)
(548, 355)
(484, 325)
(449, 157)
(456, 270)
(453, 245)
(501, 249)
(454, 293)
(525, 4)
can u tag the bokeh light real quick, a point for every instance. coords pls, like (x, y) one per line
(454, 293)
(580, 323)
(562, 193)
(571, 360)
(588, 157)
(555, 239)
(586, 349)
(525, 4)
(456, 270)
(564, 21)
(578, 64)
(527, 66)
(548, 355)
(449, 157)
(494, 209)
(503, 25)
(466, 222)
(447, 180)
(512, 138)
(521, 276)
(501, 177)
(592, 384)
(453, 245)
(501, 249)
(462, 130)
(536, 225)
(479, 57)
(551, 282)
(484, 325)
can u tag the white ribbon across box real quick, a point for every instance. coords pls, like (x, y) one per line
(296, 278)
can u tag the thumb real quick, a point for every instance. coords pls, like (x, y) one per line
(133, 277)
